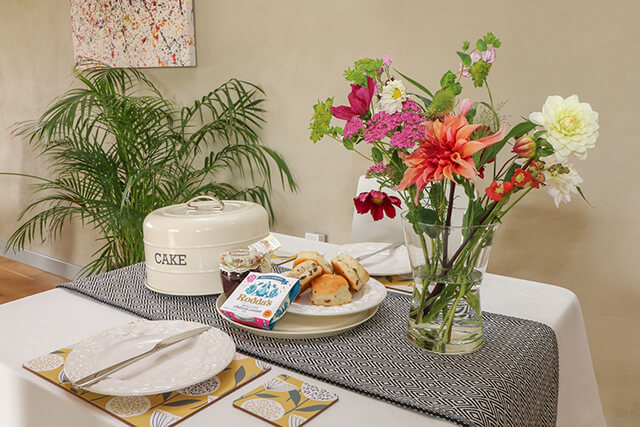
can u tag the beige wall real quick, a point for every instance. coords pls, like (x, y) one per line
(297, 51)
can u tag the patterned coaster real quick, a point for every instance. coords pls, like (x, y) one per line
(286, 401)
(164, 409)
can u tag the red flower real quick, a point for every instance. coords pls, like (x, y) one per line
(359, 101)
(378, 203)
(497, 191)
(520, 178)
(537, 180)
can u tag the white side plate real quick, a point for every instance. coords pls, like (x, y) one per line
(181, 365)
(371, 295)
(296, 326)
(385, 263)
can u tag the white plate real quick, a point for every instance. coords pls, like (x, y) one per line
(296, 326)
(181, 365)
(385, 263)
(371, 295)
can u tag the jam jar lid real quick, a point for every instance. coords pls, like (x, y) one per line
(239, 259)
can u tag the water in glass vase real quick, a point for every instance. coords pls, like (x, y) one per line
(447, 317)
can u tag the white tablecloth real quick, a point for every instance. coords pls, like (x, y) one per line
(41, 323)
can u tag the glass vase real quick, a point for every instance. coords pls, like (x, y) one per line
(448, 264)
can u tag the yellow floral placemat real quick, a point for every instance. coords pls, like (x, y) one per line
(399, 283)
(155, 410)
(286, 401)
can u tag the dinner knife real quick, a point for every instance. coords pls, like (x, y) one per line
(169, 341)
(384, 248)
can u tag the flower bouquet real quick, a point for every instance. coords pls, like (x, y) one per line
(457, 170)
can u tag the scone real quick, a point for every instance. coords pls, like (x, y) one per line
(314, 256)
(329, 290)
(352, 270)
(305, 272)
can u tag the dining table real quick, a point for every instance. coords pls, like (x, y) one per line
(40, 323)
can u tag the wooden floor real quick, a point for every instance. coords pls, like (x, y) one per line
(19, 280)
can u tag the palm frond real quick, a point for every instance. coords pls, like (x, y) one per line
(118, 150)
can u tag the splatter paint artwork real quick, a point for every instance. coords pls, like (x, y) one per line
(134, 33)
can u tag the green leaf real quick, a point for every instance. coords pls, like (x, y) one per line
(239, 375)
(447, 79)
(481, 45)
(465, 46)
(181, 402)
(267, 395)
(363, 68)
(465, 58)
(312, 408)
(583, 196)
(415, 83)
(295, 397)
(348, 143)
(543, 148)
(376, 154)
(427, 216)
(510, 171)
(516, 132)
(426, 101)
(492, 40)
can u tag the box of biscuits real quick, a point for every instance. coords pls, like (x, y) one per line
(261, 299)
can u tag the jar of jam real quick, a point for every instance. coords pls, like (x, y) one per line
(235, 265)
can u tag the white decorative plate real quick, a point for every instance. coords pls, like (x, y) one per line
(297, 326)
(180, 365)
(371, 294)
(385, 263)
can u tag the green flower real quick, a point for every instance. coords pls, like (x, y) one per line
(479, 72)
(361, 69)
(443, 101)
(320, 120)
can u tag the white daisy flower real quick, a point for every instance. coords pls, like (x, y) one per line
(562, 181)
(571, 126)
(392, 96)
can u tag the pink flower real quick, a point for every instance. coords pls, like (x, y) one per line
(383, 124)
(353, 126)
(488, 56)
(386, 61)
(525, 147)
(378, 203)
(376, 169)
(359, 101)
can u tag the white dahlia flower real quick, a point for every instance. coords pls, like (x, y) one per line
(562, 180)
(392, 96)
(571, 126)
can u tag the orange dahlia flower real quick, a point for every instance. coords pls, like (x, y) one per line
(446, 151)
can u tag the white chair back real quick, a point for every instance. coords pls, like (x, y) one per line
(365, 229)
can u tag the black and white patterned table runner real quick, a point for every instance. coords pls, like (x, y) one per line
(511, 381)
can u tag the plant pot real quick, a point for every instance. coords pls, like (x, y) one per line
(448, 264)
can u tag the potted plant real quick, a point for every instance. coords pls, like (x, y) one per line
(118, 150)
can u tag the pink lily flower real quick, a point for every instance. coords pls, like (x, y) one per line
(359, 101)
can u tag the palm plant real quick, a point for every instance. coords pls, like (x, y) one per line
(118, 150)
